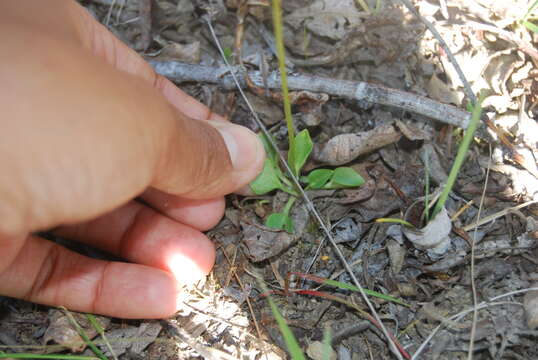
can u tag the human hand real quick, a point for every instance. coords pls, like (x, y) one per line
(87, 126)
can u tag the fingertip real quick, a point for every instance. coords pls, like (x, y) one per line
(193, 262)
(245, 150)
(138, 292)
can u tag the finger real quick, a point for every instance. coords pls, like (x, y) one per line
(46, 273)
(142, 235)
(199, 214)
(93, 139)
(104, 44)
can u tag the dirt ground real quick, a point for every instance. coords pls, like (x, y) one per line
(397, 143)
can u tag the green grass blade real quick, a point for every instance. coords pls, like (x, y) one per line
(97, 326)
(294, 349)
(379, 295)
(460, 157)
(426, 212)
(532, 27)
(341, 285)
(394, 221)
(279, 40)
(84, 336)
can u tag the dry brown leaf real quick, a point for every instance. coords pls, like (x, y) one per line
(328, 18)
(60, 331)
(344, 148)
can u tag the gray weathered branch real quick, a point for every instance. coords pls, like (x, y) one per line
(354, 90)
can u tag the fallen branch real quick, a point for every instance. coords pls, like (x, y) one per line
(354, 90)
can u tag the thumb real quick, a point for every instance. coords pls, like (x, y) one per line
(80, 138)
(207, 159)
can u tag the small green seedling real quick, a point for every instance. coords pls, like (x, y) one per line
(300, 147)
(272, 178)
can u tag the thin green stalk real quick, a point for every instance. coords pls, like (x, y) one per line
(460, 157)
(97, 326)
(288, 205)
(83, 335)
(279, 40)
(427, 187)
(292, 344)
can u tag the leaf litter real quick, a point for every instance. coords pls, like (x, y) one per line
(386, 146)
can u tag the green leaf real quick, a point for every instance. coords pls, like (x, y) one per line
(266, 181)
(279, 221)
(269, 150)
(344, 177)
(318, 178)
(300, 152)
(532, 27)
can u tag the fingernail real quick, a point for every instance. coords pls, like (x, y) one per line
(245, 191)
(244, 147)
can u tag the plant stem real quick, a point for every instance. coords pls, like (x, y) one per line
(460, 156)
(288, 205)
(427, 187)
(279, 39)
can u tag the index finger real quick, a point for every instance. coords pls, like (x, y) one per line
(105, 45)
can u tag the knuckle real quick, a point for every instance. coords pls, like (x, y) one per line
(47, 272)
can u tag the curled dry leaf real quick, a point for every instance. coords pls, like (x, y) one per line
(60, 330)
(188, 53)
(434, 236)
(344, 148)
(328, 18)
(316, 351)
(263, 243)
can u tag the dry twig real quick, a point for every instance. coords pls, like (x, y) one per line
(355, 90)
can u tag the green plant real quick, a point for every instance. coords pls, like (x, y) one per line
(300, 148)
(291, 342)
(460, 156)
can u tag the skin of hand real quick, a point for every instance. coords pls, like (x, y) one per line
(87, 131)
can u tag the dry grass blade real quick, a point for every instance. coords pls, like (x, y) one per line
(473, 243)
(497, 215)
(307, 200)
